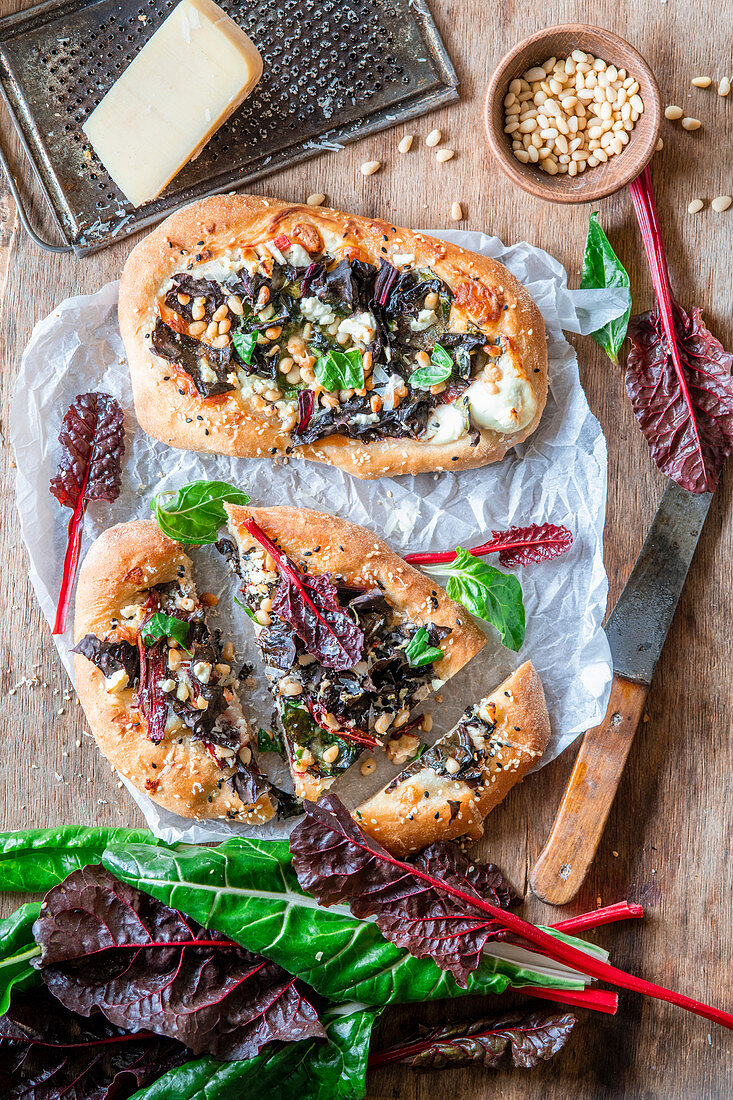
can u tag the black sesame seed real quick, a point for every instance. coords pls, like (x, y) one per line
(437, 816)
(199, 416)
(206, 431)
(152, 765)
(182, 393)
(189, 419)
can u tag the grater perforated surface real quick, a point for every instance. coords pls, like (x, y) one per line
(333, 71)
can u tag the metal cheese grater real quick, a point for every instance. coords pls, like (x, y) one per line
(334, 70)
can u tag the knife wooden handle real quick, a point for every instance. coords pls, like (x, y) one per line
(563, 864)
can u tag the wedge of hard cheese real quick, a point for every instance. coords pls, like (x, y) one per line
(198, 67)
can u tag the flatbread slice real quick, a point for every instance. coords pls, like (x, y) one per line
(329, 715)
(165, 713)
(450, 789)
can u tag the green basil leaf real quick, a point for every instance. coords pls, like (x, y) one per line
(340, 370)
(160, 626)
(195, 513)
(34, 860)
(244, 345)
(602, 268)
(441, 358)
(489, 594)
(245, 609)
(425, 377)
(334, 1069)
(419, 652)
(247, 890)
(17, 949)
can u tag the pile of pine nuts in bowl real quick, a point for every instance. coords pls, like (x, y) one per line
(570, 114)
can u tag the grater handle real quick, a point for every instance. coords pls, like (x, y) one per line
(22, 214)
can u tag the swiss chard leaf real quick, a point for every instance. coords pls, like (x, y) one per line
(93, 442)
(336, 862)
(312, 1070)
(34, 860)
(528, 1037)
(489, 594)
(160, 626)
(17, 950)
(309, 603)
(602, 268)
(47, 1052)
(439, 369)
(249, 890)
(195, 513)
(269, 742)
(340, 370)
(419, 652)
(107, 945)
(244, 345)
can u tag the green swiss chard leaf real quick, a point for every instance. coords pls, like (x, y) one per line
(269, 742)
(34, 860)
(17, 949)
(602, 268)
(439, 370)
(310, 1070)
(244, 345)
(247, 890)
(195, 513)
(340, 370)
(488, 594)
(419, 652)
(160, 626)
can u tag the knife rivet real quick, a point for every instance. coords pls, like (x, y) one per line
(616, 719)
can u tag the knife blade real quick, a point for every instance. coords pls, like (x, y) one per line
(636, 629)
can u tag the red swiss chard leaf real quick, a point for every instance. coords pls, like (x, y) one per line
(48, 1052)
(687, 417)
(107, 946)
(529, 1038)
(335, 861)
(93, 442)
(152, 700)
(310, 605)
(527, 545)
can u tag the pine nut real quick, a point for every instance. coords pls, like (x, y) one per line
(290, 687)
(197, 328)
(433, 138)
(331, 754)
(369, 167)
(724, 86)
(673, 112)
(695, 206)
(701, 81)
(456, 212)
(444, 154)
(659, 146)
(406, 144)
(721, 203)
(198, 312)
(691, 124)
(220, 313)
(235, 305)
(315, 200)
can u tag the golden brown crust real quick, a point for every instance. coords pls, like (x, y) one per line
(362, 558)
(484, 290)
(402, 819)
(177, 773)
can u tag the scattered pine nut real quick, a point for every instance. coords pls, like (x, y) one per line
(433, 138)
(673, 112)
(444, 154)
(369, 167)
(315, 200)
(721, 204)
(456, 212)
(724, 86)
(701, 81)
(691, 124)
(659, 146)
(695, 206)
(406, 144)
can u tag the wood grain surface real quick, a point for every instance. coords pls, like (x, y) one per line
(668, 840)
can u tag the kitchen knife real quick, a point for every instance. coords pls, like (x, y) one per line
(636, 630)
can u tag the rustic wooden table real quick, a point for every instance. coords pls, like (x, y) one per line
(668, 840)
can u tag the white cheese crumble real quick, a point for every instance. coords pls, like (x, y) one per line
(297, 255)
(361, 327)
(446, 424)
(313, 309)
(403, 258)
(425, 319)
(116, 682)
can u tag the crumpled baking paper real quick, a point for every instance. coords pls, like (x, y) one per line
(558, 475)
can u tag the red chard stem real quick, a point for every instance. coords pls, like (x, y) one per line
(622, 910)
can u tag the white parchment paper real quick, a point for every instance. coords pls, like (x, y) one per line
(558, 475)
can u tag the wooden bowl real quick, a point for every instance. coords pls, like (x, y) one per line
(604, 179)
